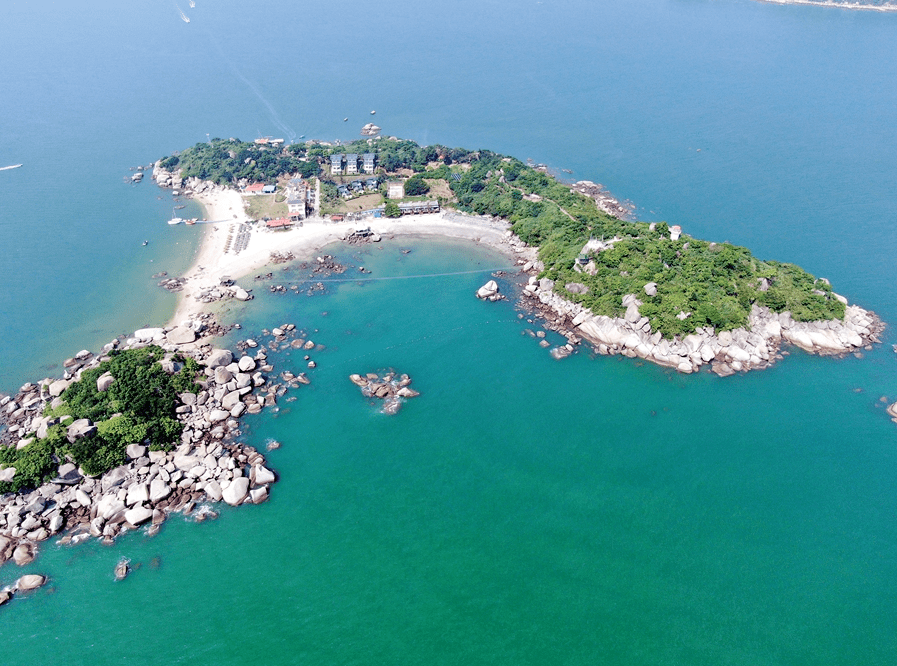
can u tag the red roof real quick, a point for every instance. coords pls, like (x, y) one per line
(255, 187)
(278, 222)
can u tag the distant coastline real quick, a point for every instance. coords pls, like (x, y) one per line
(837, 5)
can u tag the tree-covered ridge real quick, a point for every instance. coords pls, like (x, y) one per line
(227, 161)
(706, 284)
(138, 407)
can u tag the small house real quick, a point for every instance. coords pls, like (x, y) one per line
(255, 188)
(372, 183)
(269, 189)
(279, 223)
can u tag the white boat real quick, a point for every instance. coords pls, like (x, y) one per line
(184, 17)
(175, 220)
(192, 4)
(373, 112)
(6, 168)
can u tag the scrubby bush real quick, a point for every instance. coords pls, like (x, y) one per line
(139, 407)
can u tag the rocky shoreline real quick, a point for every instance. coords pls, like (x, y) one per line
(209, 465)
(754, 347)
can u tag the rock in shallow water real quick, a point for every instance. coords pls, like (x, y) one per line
(30, 582)
(237, 491)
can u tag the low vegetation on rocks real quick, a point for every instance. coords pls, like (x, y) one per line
(137, 405)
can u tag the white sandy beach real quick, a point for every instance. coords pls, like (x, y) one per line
(212, 261)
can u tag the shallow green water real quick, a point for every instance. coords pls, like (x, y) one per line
(521, 510)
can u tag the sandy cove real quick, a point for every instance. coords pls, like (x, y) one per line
(213, 262)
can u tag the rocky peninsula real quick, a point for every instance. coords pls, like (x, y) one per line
(207, 464)
(638, 289)
(753, 347)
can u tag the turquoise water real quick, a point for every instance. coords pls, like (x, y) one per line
(521, 510)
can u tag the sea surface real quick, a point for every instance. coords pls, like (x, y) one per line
(522, 510)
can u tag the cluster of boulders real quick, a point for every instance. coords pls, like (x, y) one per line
(489, 292)
(173, 284)
(223, 292)
(753, 347)
(892, 411)
(207, 466)
(390, 388)
(281, 258)
(283, 338)
(26, 583)
(361, 237)
(603, 199)
(189, 187)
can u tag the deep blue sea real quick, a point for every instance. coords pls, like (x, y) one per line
(521, 510)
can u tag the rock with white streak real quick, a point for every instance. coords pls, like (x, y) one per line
(237, 491)
(30, 582)
(138, 515)
(261, 475)
(159, 490)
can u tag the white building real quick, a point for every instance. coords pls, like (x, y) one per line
(395, 190)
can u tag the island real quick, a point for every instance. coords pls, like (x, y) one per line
(641, 289)
(149, 425)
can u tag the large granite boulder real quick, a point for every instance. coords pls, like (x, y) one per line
(237, 491)
(149, 334)
(223, 375)
(213, 490)
(30, 582)
(159, 490)
(57, 387)
(104, 381)
(241, 294)
(80, 428)
(135, 451)
(488, 290)
(219, 357)
(217, 415)
(181, 335)
(67, 474)
(7, 474)
(246, 364)
(261, 475)
(137, 494)
(23, 554)
(138, 515)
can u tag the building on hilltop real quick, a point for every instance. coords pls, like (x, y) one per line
(336, 164)
(368, 159)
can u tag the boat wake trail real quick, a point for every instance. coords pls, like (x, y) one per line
(289, 132)
(184, 17)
